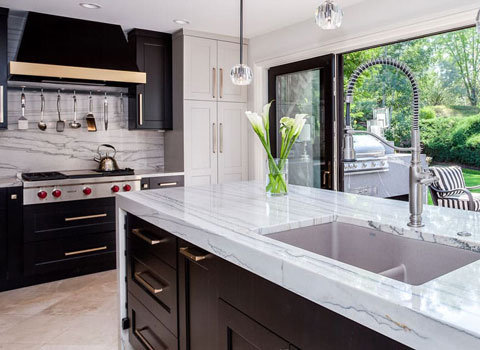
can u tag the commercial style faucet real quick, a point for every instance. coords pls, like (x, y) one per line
(418, 176)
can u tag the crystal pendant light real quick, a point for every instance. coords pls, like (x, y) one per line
(241, 74)
(329, 15)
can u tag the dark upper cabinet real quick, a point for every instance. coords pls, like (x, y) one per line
(150, 105)
(3, 68)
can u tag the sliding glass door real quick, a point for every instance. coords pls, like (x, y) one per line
(306, 87)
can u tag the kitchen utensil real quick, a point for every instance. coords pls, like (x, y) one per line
(23, 122)
(90, 118)
(60, 123)
(106, 162)
(105, 111)
(75, 124)
(41, 125)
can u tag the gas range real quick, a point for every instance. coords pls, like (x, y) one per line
(52, 187)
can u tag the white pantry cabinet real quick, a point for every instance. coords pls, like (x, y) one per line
(207, 70)
(209, 139)
(215, 145)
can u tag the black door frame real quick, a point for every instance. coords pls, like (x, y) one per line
(326, 64)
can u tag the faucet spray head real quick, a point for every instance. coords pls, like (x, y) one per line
(348, 150)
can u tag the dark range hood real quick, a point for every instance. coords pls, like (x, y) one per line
(66, 50)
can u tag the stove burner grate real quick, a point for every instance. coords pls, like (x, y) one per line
(44, 176)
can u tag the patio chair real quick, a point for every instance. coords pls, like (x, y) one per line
(450, 190)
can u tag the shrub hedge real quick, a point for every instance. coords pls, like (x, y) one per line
(452, 139)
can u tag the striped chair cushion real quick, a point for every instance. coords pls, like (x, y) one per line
(459, 202)
(448, 179)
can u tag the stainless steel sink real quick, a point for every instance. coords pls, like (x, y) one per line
(408, 260)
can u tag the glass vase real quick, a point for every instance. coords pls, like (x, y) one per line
(276, 177)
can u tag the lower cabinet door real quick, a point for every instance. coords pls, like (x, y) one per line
(197, 298)
(146, 332)
(239, 332)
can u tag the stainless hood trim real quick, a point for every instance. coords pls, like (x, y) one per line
(68, 72)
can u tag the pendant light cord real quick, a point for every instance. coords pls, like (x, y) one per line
(241, 31)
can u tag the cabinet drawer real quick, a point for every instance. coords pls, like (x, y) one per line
(146, 332)
(56, 220)
(70, 253)
(154, 283)
(166, 182)
(146, 237)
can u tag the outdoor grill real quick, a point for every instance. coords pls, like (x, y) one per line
(370, 156)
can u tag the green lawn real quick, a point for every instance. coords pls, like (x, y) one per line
(472, 178)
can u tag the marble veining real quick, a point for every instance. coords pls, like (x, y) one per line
(232, 221)
(73, 149)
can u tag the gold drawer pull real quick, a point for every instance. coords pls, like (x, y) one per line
(86, 251)
(165, 184)
(138, 277)
(144, 340)
(185, 252)
(76, 218)
(140, 234)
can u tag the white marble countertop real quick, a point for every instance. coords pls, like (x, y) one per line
(231, 220)
(10, 182)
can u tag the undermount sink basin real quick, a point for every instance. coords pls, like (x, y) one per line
(407, 260)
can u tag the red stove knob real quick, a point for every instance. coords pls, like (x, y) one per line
(115, 188)
(87, 190)
(127, 187)
(42, 194)
(57, 193)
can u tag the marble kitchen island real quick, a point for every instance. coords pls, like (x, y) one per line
(232, 222)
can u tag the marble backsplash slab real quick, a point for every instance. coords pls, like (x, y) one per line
(73, 149)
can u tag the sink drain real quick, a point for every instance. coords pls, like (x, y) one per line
(464, 234)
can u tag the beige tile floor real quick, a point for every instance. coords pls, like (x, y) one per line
(74, 314)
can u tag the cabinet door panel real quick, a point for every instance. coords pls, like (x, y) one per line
(239, 332)
(197, 299)
(200, 69)
(201, 143)
(229, 56)
(233, 147)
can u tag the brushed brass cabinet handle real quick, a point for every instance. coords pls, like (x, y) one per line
(221, 82)
(214, 87)
(214, 132)
(138, 277)
(152, 241)
(140, 109)
(86, 251)
(185, 252)
(144, 340)
(86, 217)
(166, 184)
(221, 137)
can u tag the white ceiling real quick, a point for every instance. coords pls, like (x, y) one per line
(216, 16)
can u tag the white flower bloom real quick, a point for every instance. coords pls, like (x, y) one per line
(256, 121)
(266, 113)
(299, 123)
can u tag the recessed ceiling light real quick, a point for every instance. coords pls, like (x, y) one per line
(89, 5)
(181, 21)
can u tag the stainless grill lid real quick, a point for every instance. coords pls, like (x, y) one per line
(367, 146)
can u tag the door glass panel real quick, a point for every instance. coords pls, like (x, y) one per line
(300, 92)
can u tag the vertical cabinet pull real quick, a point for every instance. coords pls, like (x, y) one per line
(140, 109)
(214, 87)
(221, 82)
(214, 132)
(2, 117)
(221, 137)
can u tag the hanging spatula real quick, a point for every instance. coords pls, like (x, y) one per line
(60, 123)
(90, 118)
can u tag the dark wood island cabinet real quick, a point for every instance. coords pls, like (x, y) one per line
(182, 297)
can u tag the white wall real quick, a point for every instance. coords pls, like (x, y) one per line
(365, 24)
